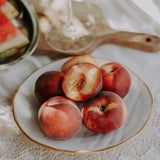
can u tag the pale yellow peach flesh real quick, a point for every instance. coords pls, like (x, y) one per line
(82, 81)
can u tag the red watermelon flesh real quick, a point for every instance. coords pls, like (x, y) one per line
(10, 35)
(2, 2)
(6, 28)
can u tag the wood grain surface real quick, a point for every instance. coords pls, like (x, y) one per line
(104, 33)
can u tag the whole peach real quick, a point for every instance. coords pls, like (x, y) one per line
(115, 78)
(48, 85)
(105, 112)
(60, 118)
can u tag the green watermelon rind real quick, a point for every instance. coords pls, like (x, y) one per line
(7, 54)
(10, 11)
(19, 41)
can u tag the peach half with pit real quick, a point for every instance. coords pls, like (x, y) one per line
(82, 82)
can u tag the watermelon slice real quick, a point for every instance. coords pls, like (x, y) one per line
(6, 7)
(10, 36)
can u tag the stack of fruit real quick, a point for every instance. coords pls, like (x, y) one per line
(11, 38)
(101, 89)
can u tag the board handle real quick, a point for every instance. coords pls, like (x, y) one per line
(141, 41)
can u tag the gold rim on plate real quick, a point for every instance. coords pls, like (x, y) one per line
(90, 151)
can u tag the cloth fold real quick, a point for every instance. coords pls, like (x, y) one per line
(8, 127)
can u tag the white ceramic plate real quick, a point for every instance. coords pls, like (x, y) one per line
(138, 101)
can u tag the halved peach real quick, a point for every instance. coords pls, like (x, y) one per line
(82, 81)
(77, 60)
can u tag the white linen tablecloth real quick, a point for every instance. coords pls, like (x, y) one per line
(122, 15)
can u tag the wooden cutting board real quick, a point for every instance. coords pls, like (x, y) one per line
(104, 33)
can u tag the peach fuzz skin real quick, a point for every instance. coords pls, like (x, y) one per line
(105, 112)
(115, 78)
(60, 118)
(48, 85)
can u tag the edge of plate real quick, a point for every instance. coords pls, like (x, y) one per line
(90, 151)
